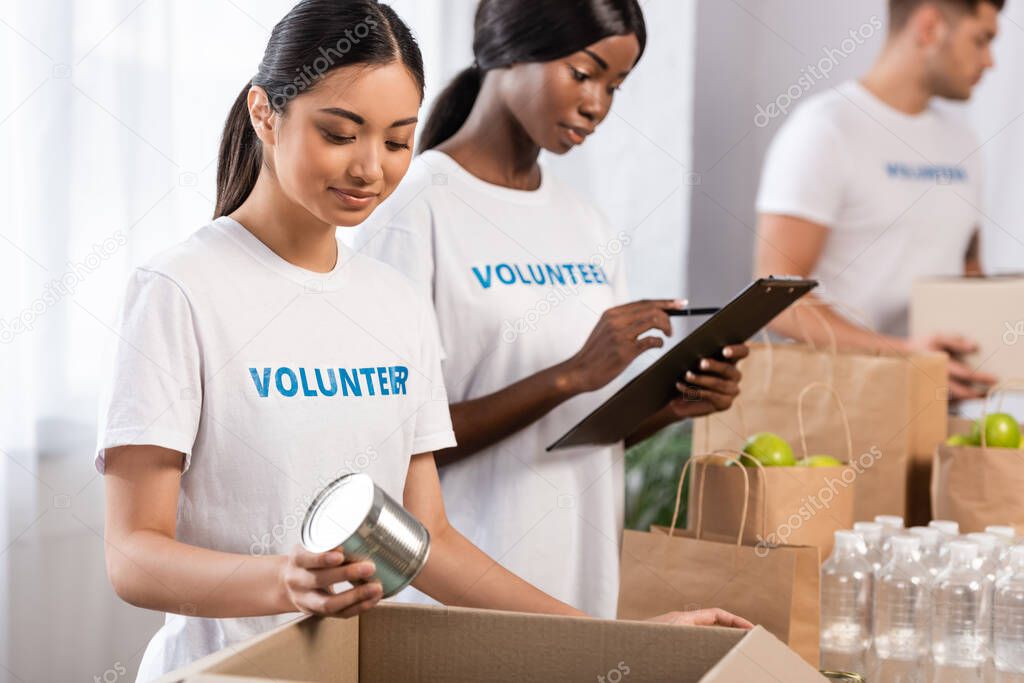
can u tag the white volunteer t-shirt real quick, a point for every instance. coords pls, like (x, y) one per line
(899, 193)
(519, 280)
(273, 380)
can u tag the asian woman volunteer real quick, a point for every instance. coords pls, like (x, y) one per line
(261, 358)
(530, 299)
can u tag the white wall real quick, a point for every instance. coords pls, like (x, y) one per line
(749, 52)
(997, 111)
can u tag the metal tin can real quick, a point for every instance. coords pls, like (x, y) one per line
(843, 676)
(354, 514)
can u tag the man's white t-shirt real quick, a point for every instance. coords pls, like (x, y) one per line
(273, 381)
(519, 280)
(899, 193)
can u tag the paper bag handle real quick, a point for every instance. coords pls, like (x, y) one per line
(842, 413)
(1013, 383)
(737, 457)
(700, 492)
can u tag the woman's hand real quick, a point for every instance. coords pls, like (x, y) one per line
(711, 616)
(306, 580)
(616, 341)
(711, 390)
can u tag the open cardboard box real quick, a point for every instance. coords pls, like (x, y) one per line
(396, 642)
(985, 309)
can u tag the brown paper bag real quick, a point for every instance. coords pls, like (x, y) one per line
(670, 570)
(978, 486)
(885, 415)
(802, 505)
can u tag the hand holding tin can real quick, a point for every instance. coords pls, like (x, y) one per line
(308, 578)
(355, 517)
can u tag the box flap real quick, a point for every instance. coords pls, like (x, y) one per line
(417, 643)
(306, 649)
(762, 657)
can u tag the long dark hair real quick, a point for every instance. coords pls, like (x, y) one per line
(315, 37)
(507, 32)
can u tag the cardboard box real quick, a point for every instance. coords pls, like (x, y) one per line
(397, 642)
(986, 309)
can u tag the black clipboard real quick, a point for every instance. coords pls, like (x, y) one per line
(648, 392)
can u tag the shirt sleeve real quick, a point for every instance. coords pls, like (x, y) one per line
(153, 395)
(433, 420)
(803, 171)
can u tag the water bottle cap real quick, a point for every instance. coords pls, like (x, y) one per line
(946, 526)
(1004, 532)
(868, 530)
(848, 540)
(890, 521)
(928, 536)
(962, 551)
(905, 544)
(986, 541)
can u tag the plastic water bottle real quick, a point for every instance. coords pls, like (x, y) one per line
(949, 528)
(950, 531)
(846, 585)
(871, 534)
(961, 612)
(891, 525)
(931, 546)
(1007, 535)
(902, 604)
(1008, 622)
(989, 554)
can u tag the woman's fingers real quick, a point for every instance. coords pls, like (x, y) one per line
(643, 319)
(710, 366)
(736, 352)
(729, 387)
(307, 560)
(693, 394)
(356, 571)
(711, 616)
(370, 592)
(358, 608)
(723, 618)
(646, 343)
(327, 604)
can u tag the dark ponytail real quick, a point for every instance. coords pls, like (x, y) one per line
(238, 162)
(451, 108)
(507, 32)
(314, 38)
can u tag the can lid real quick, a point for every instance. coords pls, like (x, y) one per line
(337, 512)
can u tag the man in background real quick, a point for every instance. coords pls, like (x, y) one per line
(870, 186)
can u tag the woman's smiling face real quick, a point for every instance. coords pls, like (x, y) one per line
(341, 147)
(559, 103)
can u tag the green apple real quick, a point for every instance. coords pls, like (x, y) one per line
(819, 461)
(974, 438)
(1001, 431)
(770, 449)
(959, 440)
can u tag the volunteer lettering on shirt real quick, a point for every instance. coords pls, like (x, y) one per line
(374, 381)
(540, 274)
(898, 193)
